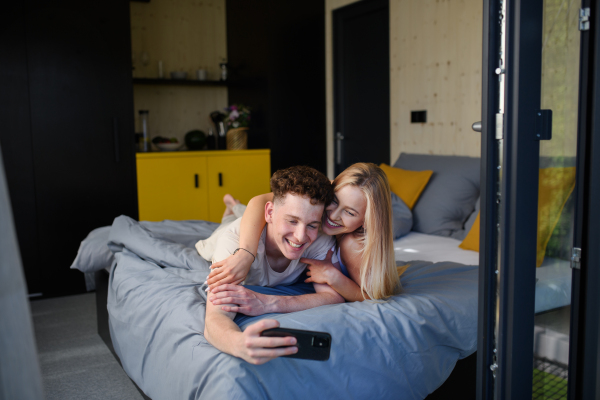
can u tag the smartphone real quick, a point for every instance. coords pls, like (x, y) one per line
(311, 345)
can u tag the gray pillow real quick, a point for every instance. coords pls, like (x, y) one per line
(449, 197)
(462, 234)
(401, 217)
(94, 254)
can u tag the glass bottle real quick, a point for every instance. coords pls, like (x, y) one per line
(211, 140)
(145, 139)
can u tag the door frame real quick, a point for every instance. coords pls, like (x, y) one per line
(518, 209)
(584, 354)
(488, 211)
(338, 16)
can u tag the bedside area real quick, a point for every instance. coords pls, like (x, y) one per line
(183, 185)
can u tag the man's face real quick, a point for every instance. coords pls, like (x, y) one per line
(293, 224)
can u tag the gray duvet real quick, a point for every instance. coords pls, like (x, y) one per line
(403, 348)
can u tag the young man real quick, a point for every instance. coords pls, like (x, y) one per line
(293, 219)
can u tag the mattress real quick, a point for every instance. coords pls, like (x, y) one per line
(553, 277)
(419, 246)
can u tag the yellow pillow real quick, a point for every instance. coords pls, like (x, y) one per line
(471, 241)
(408, 185)
(555, 187)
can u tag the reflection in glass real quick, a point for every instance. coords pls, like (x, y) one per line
(560, 83)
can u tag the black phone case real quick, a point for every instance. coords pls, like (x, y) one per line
(311, 345)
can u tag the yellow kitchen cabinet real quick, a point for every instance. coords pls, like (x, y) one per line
(241, 174)
(191, 184)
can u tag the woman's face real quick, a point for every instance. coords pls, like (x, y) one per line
(346, 213)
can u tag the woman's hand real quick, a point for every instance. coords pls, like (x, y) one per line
(233, 270)
(322, 271)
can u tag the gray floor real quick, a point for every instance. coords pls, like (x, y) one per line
(75, 362)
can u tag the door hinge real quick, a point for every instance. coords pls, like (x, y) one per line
(584, 19)
(576, 258)
(543, 125)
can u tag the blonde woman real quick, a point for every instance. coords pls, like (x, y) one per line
(361, 265)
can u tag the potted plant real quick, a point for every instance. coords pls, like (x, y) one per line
(237, 120)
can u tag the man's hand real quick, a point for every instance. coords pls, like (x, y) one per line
(248, 302)
(233, 269)
(257, 349)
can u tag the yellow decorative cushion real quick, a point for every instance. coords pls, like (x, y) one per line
(555, 187)
(471, 241)
(408, 185)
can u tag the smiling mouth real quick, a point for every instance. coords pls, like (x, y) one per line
(332, 224)
(294, 245)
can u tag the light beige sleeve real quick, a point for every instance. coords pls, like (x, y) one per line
(227, 242)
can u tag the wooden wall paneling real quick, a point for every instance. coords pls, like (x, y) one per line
(176, 110)
(435, 65)
(186, 36)
(16, 139)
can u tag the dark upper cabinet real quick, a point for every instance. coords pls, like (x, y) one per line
(67, 131)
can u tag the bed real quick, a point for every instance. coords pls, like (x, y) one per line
(420, 343)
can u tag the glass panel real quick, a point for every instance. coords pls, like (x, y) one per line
(560, 84)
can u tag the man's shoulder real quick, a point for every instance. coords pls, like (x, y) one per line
(320, 246)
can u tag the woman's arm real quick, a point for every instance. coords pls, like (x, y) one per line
(253, 222)
(235, 268)
(351, 250)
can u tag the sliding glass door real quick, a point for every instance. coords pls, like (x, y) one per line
(532, 158)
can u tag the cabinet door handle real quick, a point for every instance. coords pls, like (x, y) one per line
(196, 180)
(116, 138)
(220, 179)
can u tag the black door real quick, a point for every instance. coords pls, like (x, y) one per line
(535, 332)
(361, 84)
(77, 142)
(81, 119)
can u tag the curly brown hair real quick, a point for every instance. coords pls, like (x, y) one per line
(302, 181)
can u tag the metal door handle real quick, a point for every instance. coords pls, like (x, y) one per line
(476, 126)
(339, 137)
(220, 179)
(196, 180)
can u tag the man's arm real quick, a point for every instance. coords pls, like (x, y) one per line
(234, 298)
(225, 335)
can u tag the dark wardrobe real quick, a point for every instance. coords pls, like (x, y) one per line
(66, 129)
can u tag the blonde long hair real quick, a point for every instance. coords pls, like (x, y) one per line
(378, 274)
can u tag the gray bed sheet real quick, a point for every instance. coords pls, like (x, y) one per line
(403, 348)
